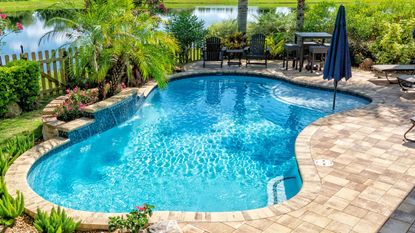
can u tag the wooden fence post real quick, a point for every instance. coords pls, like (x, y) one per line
(66, 67)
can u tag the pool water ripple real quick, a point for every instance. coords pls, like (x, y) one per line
(208, 143)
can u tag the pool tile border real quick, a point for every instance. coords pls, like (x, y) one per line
(16, 177)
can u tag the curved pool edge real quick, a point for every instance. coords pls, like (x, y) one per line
(16, 176)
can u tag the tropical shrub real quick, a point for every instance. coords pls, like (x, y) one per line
(77, 100)
(223, 29)
(118, 44)
(271, 23)
(236, 40)
(396, 45)
(153, 6)
(4, 162)
(57, 221)
(227, 31)
(134, 222)
(17, 145)
(320, 17)
(380, 31)
(7, 94)
(19, 82)
(276, 44)
(12, 149)
(26, 76)
(10, 208)
(188, 30)
(279, 29)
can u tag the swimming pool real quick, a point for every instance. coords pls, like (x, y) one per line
(205, 143)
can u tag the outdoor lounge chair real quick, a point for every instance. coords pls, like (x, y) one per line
(406, 82)
(257, 50)
(409, 130)
(213, 51)
(388, 69)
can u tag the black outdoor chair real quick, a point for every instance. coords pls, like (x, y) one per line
(291, 52)
(257, 51)
(317, 53)
(213, 51)
(409, 130)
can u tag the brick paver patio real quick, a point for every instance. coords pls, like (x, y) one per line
(374, 169)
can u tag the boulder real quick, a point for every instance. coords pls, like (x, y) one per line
(13, 110)
(366, 64)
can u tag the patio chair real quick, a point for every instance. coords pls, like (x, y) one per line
(407, 82)
(291, 52)
(257, 50)
(409, 130)
(314, 52)
(213, 51)
(388, 69)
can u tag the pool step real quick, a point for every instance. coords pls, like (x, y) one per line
(276, 189)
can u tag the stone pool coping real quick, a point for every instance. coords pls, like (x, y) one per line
(16, 177)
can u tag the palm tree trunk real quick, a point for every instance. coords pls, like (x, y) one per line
(300, 15)
(242, 15)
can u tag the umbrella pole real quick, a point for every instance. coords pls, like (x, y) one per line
(334, 95)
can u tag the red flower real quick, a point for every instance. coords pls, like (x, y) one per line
(19, 26)
(141, 208)
(3, 16)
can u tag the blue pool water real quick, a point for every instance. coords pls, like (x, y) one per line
(209, 143)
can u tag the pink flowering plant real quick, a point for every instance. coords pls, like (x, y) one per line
(78, 99)
(136, 221)
(7, 27)
(154, 7)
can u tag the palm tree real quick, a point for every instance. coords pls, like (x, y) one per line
(116, 43)
(242, 15)
(300, 15)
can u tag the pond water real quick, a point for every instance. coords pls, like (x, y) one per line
(35, 27)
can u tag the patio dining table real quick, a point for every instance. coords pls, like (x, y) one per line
(301, 37)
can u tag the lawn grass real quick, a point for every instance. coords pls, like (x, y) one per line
(42, 4)
(28, 122)
(31, 5)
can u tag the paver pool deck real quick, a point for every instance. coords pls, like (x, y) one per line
(373, 171)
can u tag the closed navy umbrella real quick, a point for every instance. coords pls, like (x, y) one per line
(338, 64)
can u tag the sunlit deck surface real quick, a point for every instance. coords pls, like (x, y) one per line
(373, 172)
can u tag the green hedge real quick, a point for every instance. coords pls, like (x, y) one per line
(19, 81)
(6, 89)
